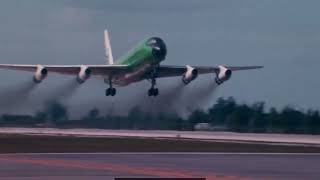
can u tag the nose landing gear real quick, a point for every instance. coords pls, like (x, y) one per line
(153, 91)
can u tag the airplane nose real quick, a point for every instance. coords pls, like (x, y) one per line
(159, 53)
(159, 49)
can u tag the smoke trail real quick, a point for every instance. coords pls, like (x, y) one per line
(136, 95)
(167, 101)
(200, 96)
(61, 93)
(15, 97)
(174, 98)
(177, 98)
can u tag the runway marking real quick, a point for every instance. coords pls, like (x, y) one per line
(146, 171)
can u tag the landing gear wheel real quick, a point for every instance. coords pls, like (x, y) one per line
(108, 92)
(111, 92)
(156, 92)
(150, 92)
(153, 92)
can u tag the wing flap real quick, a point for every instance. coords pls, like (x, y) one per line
(173, 71)
(240, 68)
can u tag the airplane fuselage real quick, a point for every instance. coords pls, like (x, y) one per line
(142, 61)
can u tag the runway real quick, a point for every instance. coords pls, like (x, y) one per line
(98, 166)
(292, 139)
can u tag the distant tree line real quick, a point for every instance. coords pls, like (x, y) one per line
(226, 114)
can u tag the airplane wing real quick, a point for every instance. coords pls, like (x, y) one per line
(172, 71)
(105, 70)
(97, 70)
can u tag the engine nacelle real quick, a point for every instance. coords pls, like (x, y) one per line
(40, 74)
(190, 75)
(223, 75)
(84, 74)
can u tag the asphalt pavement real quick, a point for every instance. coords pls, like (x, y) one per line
(96, 166)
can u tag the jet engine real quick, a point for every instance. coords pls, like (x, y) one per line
(223, 75)
(190, 75)
(84, 74)
(40, 74)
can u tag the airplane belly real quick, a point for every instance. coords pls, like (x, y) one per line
(132, 77)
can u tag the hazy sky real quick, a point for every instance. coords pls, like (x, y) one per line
(282, 35)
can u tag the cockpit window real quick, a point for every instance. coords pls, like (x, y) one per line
(159, 49)
(152, 42)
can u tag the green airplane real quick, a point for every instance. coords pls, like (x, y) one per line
(143, 62)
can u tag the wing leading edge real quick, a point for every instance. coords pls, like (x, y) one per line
(97, 70)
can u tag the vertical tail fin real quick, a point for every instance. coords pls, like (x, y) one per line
(108, 47)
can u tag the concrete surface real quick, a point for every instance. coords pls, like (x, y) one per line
(222, 136)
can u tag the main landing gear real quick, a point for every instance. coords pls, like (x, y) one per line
(111, 91)
(153, 91)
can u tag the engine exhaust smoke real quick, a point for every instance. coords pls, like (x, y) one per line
(180, 99)
(199, 97)
(137, 96)
(167, 101)
(15, 97)
(174, 98)
(63, 92)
